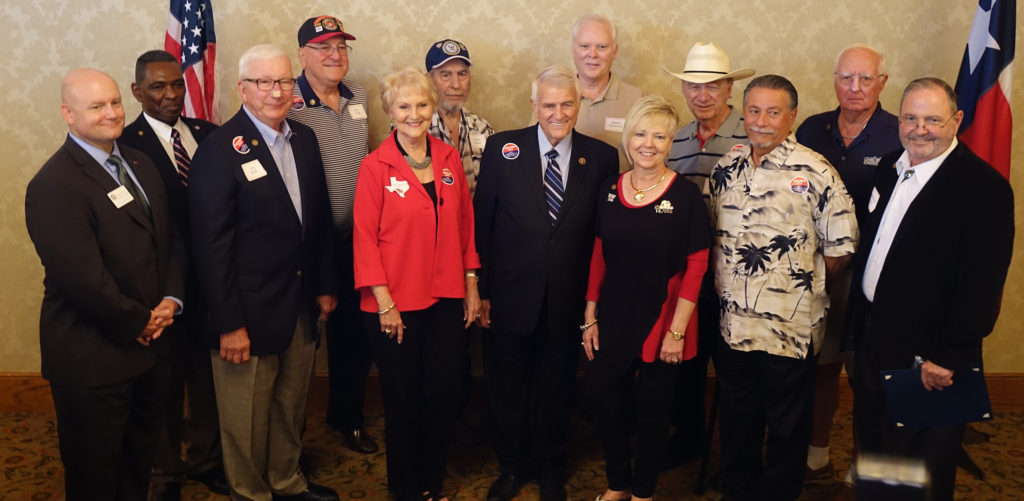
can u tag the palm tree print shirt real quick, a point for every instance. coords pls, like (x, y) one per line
(774, 223)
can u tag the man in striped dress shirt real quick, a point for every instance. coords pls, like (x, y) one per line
(716, 129)
(336, 109)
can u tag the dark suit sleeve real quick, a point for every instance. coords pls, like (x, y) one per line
(485, 201)
(325, 231)
(60, 222)
(212, 200)
(986, 242)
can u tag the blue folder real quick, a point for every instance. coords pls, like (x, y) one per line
(911, 405)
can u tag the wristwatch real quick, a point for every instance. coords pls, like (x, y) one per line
(676, 334)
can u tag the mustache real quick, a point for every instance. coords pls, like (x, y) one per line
(762, 130)
(927, 136)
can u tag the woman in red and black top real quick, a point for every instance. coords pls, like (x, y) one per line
(645, 274)
(415, 262)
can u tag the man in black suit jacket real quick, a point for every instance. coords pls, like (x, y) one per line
(535, 242)
(170, 141)
(941, 226)
(98, 216)
(261, 237)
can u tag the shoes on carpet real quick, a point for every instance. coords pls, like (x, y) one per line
(166, 491)
(626, 497)
(359, 441)
(506, 486)
(313, 492)
(822, 475)
(214, 480)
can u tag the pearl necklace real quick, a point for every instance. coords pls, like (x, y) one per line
(639, 195)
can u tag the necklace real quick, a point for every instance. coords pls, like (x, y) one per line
(639, 195)
(417, 165)
(862, 124)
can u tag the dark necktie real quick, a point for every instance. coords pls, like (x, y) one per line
(126, 181)
(553, 189)
(181, 159)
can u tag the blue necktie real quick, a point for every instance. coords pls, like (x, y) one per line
(553, 189)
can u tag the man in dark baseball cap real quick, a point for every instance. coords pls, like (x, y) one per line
(320, 28)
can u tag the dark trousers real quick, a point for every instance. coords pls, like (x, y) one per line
(615, 408)
(530, 384)
(688, 414)
(938, 446)
(108, 437)
(759, 392)
(348, 350)
(421, 383)
(187, 369)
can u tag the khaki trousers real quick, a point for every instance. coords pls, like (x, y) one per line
(262, 407)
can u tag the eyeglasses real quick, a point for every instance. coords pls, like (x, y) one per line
(325, 50)
(933, 123)
(268, 84)
(846, 79)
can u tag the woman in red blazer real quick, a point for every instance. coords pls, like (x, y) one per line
(415, 262)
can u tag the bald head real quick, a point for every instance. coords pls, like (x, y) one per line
(91, 106)
(859, 78)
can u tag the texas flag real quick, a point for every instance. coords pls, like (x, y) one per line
(985, 83)
(190, 36)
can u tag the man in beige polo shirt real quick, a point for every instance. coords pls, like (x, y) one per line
(606, 99)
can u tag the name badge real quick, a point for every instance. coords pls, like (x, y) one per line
(253, 170)
(477, 141)
(873, 201)
(357, 112)
(120, 196)
(614, 124)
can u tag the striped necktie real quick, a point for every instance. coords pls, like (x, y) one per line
(181, 159)
(126, 181)
(553, 189)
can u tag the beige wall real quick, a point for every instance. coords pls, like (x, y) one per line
(509, 40)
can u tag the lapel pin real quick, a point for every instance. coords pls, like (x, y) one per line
(141, 133)
(583, 161)
(255, 142)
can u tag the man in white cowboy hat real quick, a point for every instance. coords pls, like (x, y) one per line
(716, 129)
(605, 98)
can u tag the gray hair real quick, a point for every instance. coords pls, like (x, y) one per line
(557, 76)
(932, 83)
(406, 78)
(881, 58)
(261, 52)
(773, 82)
(597, 18)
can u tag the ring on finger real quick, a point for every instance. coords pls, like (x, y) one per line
(387, 331)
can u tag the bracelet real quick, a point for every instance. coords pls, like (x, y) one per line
(588, 325)
(385, 310)
(675, 334)
(471, 274)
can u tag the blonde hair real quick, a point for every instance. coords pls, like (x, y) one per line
(649, 107)
(407, 77)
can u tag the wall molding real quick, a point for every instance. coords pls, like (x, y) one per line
(29, 392)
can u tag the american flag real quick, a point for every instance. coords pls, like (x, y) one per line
(190, 35)
(984, 84)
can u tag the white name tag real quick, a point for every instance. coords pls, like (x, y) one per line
(614, 124)
(253, 170)
(477, 141)
(120, 196)
(357, 112)
(873, 201)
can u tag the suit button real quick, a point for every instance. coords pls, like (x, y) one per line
(298, 273)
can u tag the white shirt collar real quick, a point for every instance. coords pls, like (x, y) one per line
(924, 170)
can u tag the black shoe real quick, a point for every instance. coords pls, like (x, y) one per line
(214, 480)
(552, 491)
(358, 441)
(313, 492)
(166, 491)
(506, 487)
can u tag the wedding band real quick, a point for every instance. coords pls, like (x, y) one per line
(387, 331)
(477, 315)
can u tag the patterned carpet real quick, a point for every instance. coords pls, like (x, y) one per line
(31, 467)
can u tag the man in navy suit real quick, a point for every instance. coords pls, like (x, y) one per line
(261, 238)
(98, 216)
(170, 141)
(534, 205)
(940, 224)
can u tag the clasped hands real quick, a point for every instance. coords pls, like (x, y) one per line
(160, 318)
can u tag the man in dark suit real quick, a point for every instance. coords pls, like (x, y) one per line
(534, 204)
(941, 226)
(261, 237)
(170, 141)
(98, 216)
